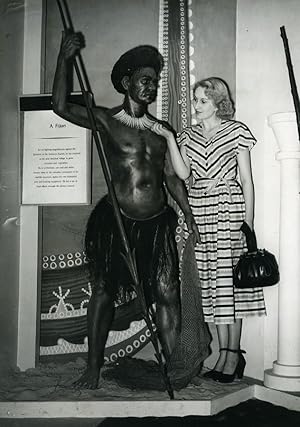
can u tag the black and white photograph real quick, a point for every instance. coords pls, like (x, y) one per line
(149, 213)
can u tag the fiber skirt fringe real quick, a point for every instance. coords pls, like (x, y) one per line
(152, 242)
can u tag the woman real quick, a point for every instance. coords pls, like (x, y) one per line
(213, 153)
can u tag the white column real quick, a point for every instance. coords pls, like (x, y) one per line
(29, 215)
(285, 374)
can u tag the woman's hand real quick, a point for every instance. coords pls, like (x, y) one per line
(159, 129)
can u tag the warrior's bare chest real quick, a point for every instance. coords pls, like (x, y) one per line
(138, 142)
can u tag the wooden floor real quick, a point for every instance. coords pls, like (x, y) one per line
(252, 413)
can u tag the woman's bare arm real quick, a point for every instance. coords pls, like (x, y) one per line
(179, 159)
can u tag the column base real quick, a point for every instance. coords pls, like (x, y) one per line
(283, 377)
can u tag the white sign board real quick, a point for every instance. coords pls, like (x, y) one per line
(56, 167)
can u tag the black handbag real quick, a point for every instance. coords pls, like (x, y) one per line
(256, 267)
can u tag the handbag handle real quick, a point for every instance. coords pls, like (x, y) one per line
(250, 237)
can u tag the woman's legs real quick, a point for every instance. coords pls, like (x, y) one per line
(234, 337)
(223, 336)
(229, 336)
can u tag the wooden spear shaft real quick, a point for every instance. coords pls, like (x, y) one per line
(128, 256)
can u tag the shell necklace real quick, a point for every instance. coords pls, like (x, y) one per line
(134, 122)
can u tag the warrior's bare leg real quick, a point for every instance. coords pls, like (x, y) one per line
(168, 317)
(100, 316)
(168, 308)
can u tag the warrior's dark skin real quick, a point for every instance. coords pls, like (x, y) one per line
(140, 164)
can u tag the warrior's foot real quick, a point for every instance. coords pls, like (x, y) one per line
(89, 379)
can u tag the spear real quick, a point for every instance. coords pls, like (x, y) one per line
(291, 76)
(128, 256)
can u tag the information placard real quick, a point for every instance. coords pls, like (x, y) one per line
(56, 166)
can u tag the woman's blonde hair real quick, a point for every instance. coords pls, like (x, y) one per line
(217, 90)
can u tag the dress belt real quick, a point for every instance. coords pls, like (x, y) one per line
(211, 183)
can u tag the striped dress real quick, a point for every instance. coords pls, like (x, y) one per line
(218, 206)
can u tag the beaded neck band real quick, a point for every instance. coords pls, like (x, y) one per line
(134, 122)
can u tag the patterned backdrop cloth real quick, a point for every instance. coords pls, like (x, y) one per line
(192, 347)
(63, 327)
(64, 323)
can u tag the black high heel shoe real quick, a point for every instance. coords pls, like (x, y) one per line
(213, 374)
(239, 370)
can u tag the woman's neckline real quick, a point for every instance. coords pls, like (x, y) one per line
(208, 135)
